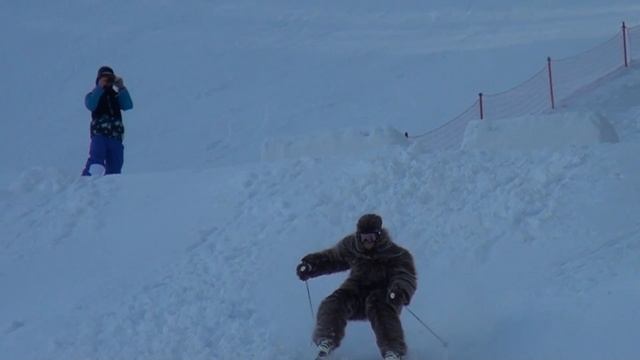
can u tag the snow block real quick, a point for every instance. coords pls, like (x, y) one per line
(333, 143)
(539, 132)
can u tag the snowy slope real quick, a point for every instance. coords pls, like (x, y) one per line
(212, 80)
(241, 159)
(515, 256)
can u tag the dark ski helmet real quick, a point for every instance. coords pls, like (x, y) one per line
(370, 223)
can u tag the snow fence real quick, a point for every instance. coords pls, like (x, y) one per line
(558, 81)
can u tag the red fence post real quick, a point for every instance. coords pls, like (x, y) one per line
(624, 44)
(481, 107)
(553, 100)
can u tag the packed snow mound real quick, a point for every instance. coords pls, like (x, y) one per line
(530, 132)
(332, 143)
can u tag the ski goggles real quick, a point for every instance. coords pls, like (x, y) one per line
(370, 238)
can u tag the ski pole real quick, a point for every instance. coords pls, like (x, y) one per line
(313, 316)
(444, 343)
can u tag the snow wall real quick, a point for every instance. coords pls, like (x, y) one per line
(540, 132)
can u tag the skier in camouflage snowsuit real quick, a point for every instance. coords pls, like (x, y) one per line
(108, 99)
(381, 282)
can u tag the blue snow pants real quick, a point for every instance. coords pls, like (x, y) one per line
(106, 151)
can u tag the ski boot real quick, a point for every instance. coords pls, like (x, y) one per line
(324, 349)
(390, 355)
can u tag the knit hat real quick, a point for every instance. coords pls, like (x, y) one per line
(369, 223)
(104, 71)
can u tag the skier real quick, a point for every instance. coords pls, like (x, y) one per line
(381, 282)
(106, 154)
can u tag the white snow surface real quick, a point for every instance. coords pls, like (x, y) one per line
(263, 130)
(539, 131)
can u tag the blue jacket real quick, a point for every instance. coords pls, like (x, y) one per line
(93, 98)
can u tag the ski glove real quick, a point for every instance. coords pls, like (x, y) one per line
(304, 271)
(119, 82)
(309, 267)
(397, 297)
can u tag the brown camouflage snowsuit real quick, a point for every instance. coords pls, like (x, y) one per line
(364, 295)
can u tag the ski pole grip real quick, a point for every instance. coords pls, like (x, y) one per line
(304, 267)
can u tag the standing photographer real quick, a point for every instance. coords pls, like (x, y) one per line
(106, 102)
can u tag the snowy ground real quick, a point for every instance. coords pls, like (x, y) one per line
(261, 132)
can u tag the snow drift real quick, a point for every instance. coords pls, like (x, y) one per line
(552, 131)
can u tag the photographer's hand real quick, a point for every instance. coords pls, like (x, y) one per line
(119, 82)
(103, 82)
